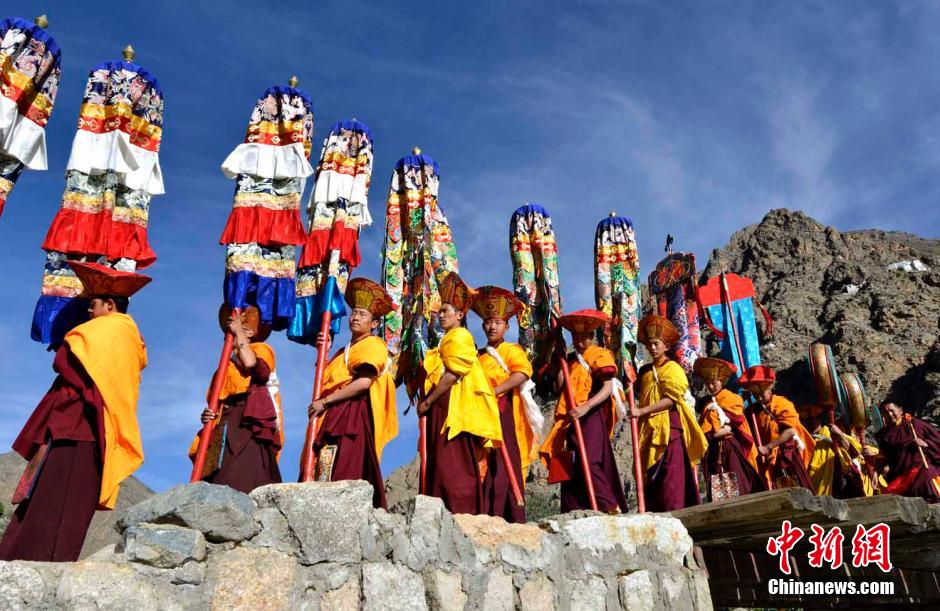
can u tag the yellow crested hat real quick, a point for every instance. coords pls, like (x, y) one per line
(368, 295)
(454, 290)
(710, 369)
(653, 326)
(495, 302)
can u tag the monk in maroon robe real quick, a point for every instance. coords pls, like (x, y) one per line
(247, 429)
(904, 443)
(64, 438)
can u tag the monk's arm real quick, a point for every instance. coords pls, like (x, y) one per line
(355, 388)
(781, 439)
(664, 404)
(515, 380)
(447, 381)
(602, 395)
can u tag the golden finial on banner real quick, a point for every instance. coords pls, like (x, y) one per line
(612, 214)
(129, 53)
(42, 21)
(416, 151)
(293, 81)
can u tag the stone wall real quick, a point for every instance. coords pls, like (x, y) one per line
(322, 546)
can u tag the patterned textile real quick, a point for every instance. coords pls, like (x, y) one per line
(29, 79)
(672, 286)
(534, 256)
(111, 176)
(338, 209)
(617, 284)
(418, 251)
(264, 229)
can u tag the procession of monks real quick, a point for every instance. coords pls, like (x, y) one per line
(484, 427)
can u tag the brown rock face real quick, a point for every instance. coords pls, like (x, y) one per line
(820, 284)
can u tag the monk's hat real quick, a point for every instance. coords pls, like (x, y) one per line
(653, 326)
(251, 318)
(368, 295)
(101, 281)
(584, 321)
(495, 302)
(454, 290)
(758, 376)
(711, 369)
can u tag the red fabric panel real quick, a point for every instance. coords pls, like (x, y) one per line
(264, 226)
(81, 233)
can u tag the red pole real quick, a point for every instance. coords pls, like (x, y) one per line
(422, 453)
(215, 390)
(308, 460)
(637, 460)
(513, 482)
(579, 438)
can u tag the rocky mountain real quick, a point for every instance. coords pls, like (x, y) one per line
(873, 296)
(101, 532)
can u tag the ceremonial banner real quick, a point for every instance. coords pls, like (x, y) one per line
(672, 287)
(111, 175)
(617, 285)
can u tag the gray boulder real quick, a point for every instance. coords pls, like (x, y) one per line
(163, 545)
(219, 512)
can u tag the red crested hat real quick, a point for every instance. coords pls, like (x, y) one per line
(368, 295)
(653, 326)
(584, 321)
(455, 291)
(710, 369)
(102, 281)
(758, 375)
(495, 302)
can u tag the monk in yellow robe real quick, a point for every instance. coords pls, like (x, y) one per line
(463, 424)
(837, 467)
(671, 441)
(248, 434)
(787, 445)
(598, 405)
(358, 407)
(731, 448)
(83, 439)
(508, 370)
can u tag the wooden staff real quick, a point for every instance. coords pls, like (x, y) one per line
(923, 457)
(422, 453)
(579, 438)
(637, 460)
(513, 482)
(215, 390)
(308, 461)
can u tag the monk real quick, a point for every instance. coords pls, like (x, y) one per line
(462, 418)
(837, 466)
(731, 448)
(598, 400)
(508, 370)
(248, 434)
(787, 445)
(671, 441)
(357, 410)
(82, 440)
(910, 448)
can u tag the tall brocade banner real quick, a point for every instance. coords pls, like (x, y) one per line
(617, 284)
(419, 249)
(30, 65)
(338, 209)
(111, 175)
(672, 288)
(264, 228)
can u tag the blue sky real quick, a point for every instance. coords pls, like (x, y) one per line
(691, 118)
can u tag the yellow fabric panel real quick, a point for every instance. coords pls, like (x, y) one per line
(472, 408)
(113, 354)
(597, 358)
(654, 429)
(235, 382)
(517, 361)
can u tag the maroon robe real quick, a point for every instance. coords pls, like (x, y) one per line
(671, 482)
(252, 440)
(498, 498)
(608, 489)
(349, 426)
(453, 466)
(897, 445)
(789, 466)
(51, 525)
(729, 455)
